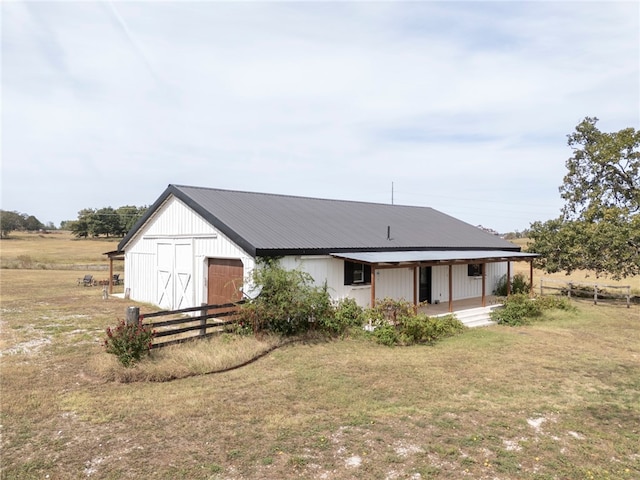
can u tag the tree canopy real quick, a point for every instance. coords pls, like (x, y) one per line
(10, 221)
(603, 171)
(599, 228)
(105, 221)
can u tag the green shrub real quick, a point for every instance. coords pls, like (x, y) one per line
(288, 302)
(386, 335)
(129, 342)
(519, 309)
(390, 311)
(519, 284)
(549, 302)
(423, 329)
(396, 322)
(446, 326)
(347, 314)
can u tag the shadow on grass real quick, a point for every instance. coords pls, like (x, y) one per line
(199, 357)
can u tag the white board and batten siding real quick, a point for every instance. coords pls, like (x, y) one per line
(323, 267)
(172, 250)
(396, 283)
(463, 285)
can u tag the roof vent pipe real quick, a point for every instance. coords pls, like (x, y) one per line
(388, 232)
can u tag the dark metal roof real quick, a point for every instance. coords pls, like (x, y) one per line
(268, 224)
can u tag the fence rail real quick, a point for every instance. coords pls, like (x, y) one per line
(597, 291)
(183, 327)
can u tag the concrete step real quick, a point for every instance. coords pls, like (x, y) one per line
(475, 317)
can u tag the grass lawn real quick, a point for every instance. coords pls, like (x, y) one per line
(556, 400)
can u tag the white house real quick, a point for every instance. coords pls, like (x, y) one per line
(199, 245)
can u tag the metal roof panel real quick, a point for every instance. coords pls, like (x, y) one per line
(270, 221)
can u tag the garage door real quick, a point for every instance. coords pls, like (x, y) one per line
(224, 281)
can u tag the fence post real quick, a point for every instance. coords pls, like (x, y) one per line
(132, 315)
(569, 290)
(595, 294)
(628, 296)
(203, 321)
(541, 286)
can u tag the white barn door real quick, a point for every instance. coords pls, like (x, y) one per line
(174, 276)
(182, 287)
(164, 295)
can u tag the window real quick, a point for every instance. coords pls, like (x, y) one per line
(474, 269)
(356, 273)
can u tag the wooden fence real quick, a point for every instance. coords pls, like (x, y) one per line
(184, 327)
(596, 291)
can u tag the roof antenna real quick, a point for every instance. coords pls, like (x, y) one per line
(391, 193)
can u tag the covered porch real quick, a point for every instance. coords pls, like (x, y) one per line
(415, 260)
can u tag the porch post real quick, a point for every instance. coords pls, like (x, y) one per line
(531, 278)
(415, 288)
(110, 275)
(373, 286)
(484, 284)
(450, 288)
(508, 278)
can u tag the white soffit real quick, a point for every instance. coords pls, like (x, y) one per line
(433, 256)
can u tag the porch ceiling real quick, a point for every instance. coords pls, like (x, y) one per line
(443, 257)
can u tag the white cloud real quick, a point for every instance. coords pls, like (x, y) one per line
(464, 106)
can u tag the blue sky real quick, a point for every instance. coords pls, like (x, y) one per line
(461, 106)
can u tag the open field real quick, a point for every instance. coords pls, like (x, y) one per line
(556, 400)
(576, 276)
(56, 250)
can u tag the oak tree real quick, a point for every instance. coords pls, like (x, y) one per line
(599, 228)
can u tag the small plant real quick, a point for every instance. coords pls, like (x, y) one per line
(129, 342)
(519, 284)
(347, 314)
(550, 301)
(386, 335)
(244, 326)
(423, 329)
(391, 311)
(519, 309)
(397, 323)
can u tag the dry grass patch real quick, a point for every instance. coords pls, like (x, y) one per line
(55, 250)
(555, 400)
(198, 357)
(38, 306)
(558, 399)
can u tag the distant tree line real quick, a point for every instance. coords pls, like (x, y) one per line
(106, 221)
(517, 234)
(10, 221)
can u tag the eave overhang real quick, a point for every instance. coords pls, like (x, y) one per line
(432, 258)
